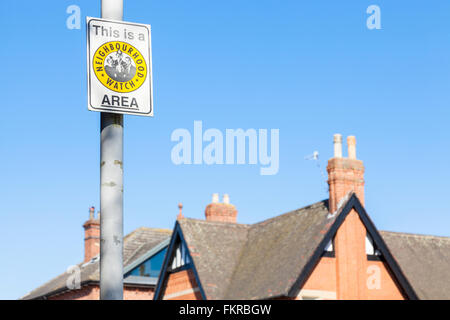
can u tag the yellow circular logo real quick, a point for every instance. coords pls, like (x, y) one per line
(119, 66)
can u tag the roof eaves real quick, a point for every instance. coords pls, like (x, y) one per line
(57, 291)
(416, 235)
(140, 281)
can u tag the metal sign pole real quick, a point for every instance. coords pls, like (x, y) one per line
(111, 189)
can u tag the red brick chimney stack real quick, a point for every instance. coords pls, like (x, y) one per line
(91, 236)
(344, 174)
(223, 212)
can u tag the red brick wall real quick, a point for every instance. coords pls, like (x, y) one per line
(354, 271)
(350, 275)
(138, 293)
(92, 292)
(350, 250)
(323, 277)
(388, 289)
(182, 286)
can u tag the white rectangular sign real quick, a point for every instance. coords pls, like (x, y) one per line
(119, 66)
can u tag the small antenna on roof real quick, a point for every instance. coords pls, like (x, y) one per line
(315, 157)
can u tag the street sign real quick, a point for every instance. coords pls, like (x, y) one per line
(119, 67)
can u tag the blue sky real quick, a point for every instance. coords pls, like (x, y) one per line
(307, 68)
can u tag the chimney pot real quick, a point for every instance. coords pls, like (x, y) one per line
(215, 198)
(351, 144)
(337, 141)
(91, 213)
(226, 198)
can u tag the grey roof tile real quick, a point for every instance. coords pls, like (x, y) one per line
(424, 260)
(215, 248)
(276, 252)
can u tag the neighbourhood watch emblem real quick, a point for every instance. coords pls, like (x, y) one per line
(119, 66)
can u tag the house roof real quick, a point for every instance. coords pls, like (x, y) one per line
(236, 261)
(135, 245)
(273, 258)
(425, 261)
